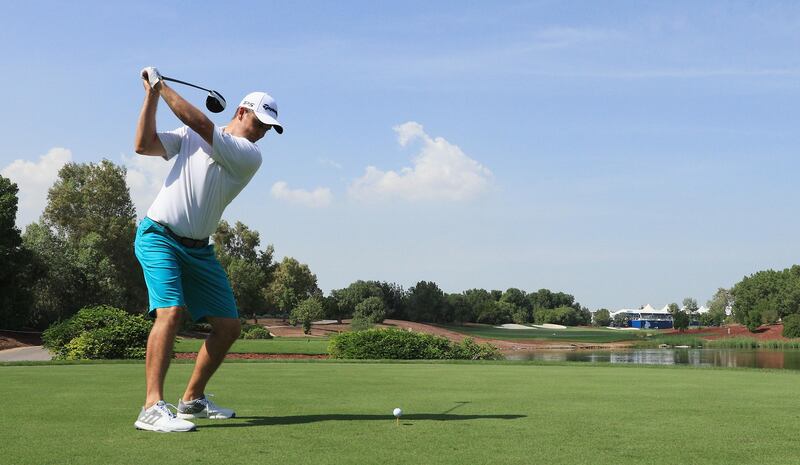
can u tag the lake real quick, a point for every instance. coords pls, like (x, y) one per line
(785, 359)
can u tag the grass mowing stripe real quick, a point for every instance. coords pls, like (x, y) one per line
(263, 346)
(325, 413)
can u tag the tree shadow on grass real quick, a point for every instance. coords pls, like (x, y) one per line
(239, 422)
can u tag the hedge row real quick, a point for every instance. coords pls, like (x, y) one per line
(406, 345)
(100, 332)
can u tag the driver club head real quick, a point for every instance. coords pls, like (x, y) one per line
(215, 102)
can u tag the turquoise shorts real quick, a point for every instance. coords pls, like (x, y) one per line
(179, 276)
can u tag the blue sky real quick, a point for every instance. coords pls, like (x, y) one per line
(624, 152)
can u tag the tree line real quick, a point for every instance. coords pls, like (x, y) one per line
(80, 253)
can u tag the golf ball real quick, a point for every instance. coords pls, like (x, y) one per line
(397, 412)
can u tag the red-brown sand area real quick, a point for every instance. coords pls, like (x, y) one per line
(765, 332)
(12, 339)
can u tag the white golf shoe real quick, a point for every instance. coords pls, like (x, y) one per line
(203, 408)
(160, 418)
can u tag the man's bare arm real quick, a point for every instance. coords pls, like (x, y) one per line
(187, 113)
(147, 141)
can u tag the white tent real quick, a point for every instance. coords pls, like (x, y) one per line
(645, 310)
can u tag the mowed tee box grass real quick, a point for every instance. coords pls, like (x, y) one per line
(282, 345)
(332, 412)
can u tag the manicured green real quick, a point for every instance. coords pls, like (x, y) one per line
(455, 413)
(279, 345)
(557, 335)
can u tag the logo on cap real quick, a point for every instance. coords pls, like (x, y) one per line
(269, 108)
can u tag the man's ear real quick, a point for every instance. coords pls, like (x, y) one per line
(240, 111)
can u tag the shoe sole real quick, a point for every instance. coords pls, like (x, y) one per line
(194, 416)
(146, 427)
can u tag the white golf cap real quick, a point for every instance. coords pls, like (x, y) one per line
(265, 108)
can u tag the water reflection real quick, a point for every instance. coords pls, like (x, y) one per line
(786, 359)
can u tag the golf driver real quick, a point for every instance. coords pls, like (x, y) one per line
(214, 102)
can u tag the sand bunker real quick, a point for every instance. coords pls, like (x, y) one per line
(544, 326)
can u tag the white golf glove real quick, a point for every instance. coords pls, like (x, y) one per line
(152, 75)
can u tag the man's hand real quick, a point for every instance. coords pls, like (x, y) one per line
(152, 76)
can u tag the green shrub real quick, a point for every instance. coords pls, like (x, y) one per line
(58, 335)
(496, 313)
(100, 332)
(372, 310)
(359, 323)
(621, 320)
(566, 316)
(404, 345)
(468, 349)
(791, 325)
(680, 320)
(306, 312)
(255, 332)
(520, 316)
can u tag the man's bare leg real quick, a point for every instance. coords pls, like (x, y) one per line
(224, 331)
(160, 344)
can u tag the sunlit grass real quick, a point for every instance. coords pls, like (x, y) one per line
(455, 413)
(278, 345)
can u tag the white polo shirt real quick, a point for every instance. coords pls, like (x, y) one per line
(203, 181)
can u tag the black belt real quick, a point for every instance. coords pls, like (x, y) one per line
(186, 241)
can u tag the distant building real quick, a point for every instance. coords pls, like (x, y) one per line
(647, 317)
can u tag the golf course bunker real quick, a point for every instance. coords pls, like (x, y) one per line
(550, 326)
(513, 326)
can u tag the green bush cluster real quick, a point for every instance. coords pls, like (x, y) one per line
(254, 332)
(565, 315)
(369, 312)
(791, 325)
(406, 345)
(99, 332)
(360, 324)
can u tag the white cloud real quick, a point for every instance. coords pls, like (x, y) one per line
(34, 180)
(441, 171)
(145, 177)
(319, 197)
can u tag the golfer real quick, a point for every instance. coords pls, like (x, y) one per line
(212, 165)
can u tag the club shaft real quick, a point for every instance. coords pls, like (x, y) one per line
(184, 83)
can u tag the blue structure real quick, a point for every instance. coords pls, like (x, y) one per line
(651, 323)
(648, 317)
